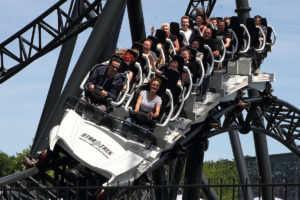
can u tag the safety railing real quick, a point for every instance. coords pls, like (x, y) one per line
(147, 190)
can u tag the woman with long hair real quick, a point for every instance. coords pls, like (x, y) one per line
(149, 101)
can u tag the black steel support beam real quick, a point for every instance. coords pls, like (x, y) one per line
(91, 54)
(261, 147)
(195, 5)
(85, 6)
(210, 192)
(111, 47)
(262, 155)
(136, 20)
(42, 36)
(242, 10)
(193, 169)
(263, 163)
(18, 176)
(175, 173)
(58, 77)
(240, 163)
(159, 178)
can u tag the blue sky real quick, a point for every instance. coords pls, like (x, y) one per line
(22, 97)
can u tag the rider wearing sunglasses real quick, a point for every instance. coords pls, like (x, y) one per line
(104, 83)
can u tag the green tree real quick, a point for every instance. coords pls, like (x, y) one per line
(12, 164)
(222, 172)
(18, 166)
(6, 164)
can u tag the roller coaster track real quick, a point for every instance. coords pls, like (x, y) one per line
(55, 176)
(282, 125)
(264, 114)
(283, 120)
(43, 35)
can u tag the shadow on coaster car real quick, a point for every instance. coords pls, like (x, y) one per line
(86, 134)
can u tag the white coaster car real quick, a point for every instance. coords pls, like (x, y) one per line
(119, 158)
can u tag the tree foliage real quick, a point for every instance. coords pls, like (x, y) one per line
(222, 172)
(12, 164)
(6, 164)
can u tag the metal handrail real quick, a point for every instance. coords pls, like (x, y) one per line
(171, 45)
(118, 103)
(140, 74)
(263, 41)
(184, 38)
(186, 69)
(224, 51)
(274, 33)
(210, 67)
(148, 66)
(170, 111)
(198, 30)
(248, 37)
(237, 42)
(202, 73)
(181, 105)
(161, 51)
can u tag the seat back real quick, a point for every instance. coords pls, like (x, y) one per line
(236, 27)
(154, 44)
(270, 32)
(208, 60)
(161, 36)
(254, 32)
(194, 66)
(177, 91)
(234, 44)
(174, 29)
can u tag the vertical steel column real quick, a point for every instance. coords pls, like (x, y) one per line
(210, 192)
(263, 163)
(136, 20)
(261, 148)
(111, 47)
(58, 77)
(159, 178)
(240, 163)
(262, 156)
(175, 173)
(243, 10)
(193, 169)
(94, 48)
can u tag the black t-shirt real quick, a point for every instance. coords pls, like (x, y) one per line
(172, 37)
(213, 44)
(224, 35)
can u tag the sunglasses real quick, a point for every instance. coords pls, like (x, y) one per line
(114, 67)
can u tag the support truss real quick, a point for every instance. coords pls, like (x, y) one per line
(57, 173)
(205, 6)
(43, 34)
(282, 123)
(282, 120)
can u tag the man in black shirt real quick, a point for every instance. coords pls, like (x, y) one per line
(212, 42)
(216, 49)
(104, 83)
(223, 33)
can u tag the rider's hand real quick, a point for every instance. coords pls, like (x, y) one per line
(103, 93)
(91, 87)
(150, 115)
